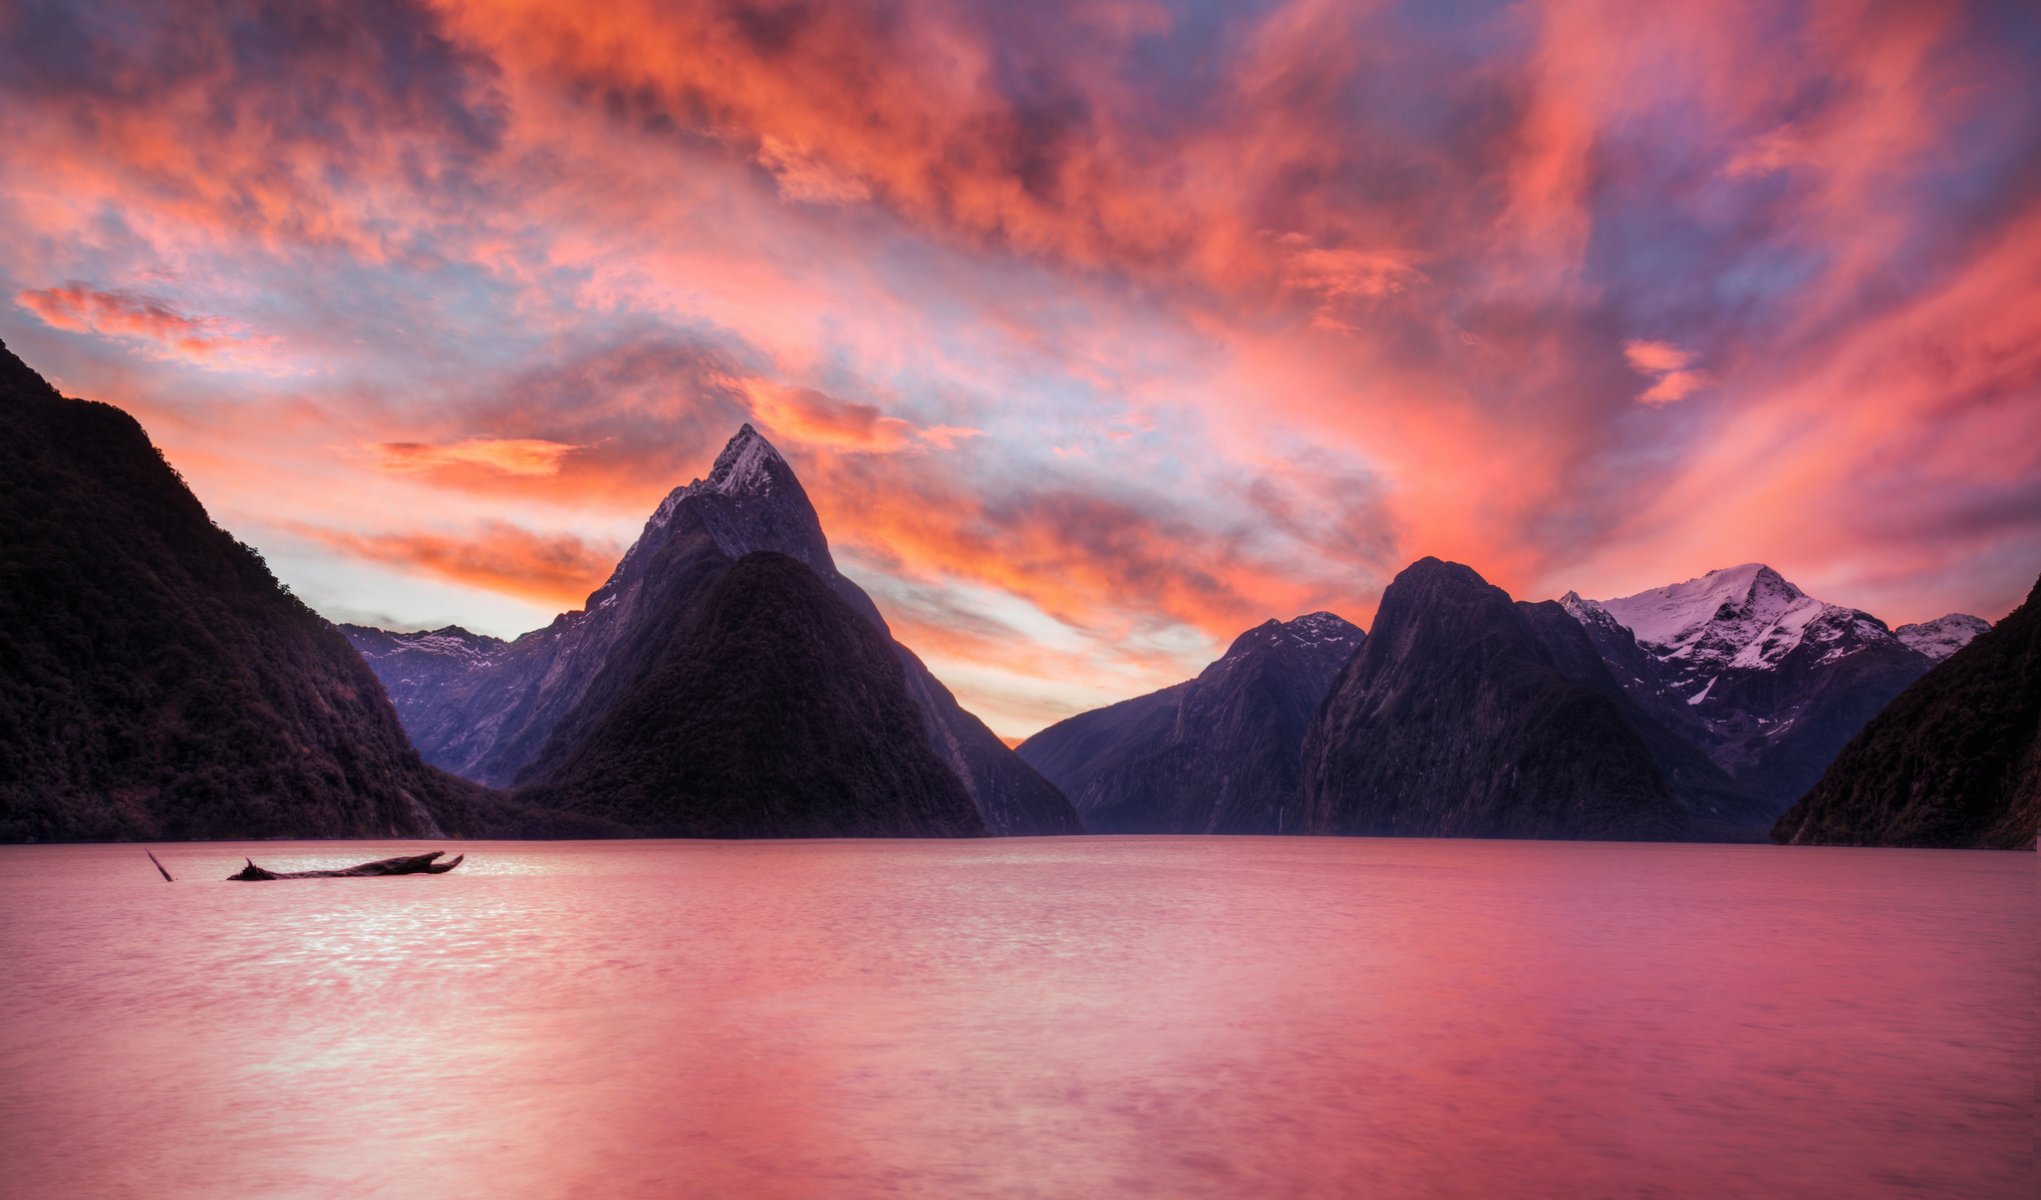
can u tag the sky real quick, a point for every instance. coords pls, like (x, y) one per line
(1097, 332)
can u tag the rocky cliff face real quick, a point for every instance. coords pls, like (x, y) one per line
(1217, 754)
(491, 718)
(1954, 761)
(1774, 681)
(1455, 721)
(155, 680)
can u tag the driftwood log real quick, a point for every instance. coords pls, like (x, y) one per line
(416, 864)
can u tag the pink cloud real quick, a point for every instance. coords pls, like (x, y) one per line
(79, 309)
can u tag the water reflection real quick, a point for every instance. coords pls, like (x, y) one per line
(1037, 1018)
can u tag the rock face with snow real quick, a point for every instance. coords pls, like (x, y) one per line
(1955, 761)
(1455, 721)
(1943, 636)
(1718, 807)
(489, 719)
(1774, 681)
(1217, 754)
(155, 679)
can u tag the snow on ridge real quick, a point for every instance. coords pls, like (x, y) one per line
(1310, 632)
(1944, 635)
(449, 642)
(1674, 615)
(742, 468)
(1747, 617)
(1320, 628)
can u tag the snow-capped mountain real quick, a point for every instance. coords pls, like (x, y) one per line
(491, 718)
(1775, 680)
(1943, 636)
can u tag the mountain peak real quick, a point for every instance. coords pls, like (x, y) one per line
(745, 467)
(1310, 631)
(1944, 635)
(1678, 612)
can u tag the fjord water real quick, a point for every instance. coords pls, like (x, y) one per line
(1043, 1017)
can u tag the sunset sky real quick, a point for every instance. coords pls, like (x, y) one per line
(1098, 332)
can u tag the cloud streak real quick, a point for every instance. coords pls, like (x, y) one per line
(80, 309)
(554, 569)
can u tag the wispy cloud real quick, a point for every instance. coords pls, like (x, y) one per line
(530, 457)
(1670, 369)
(559, 569)
(77, 308)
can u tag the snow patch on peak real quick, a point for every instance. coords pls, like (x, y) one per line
(1675, 615)
(1943, 636)
(743, 468)
(1311, 631)
(1586, 611)
(1745, 618)
(1321, 628)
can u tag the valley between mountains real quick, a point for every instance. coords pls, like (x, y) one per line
(729, 681)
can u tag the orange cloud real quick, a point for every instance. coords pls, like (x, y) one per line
(80, 309)
(525, 457)
(806, 177)
(819, 419)
(555, 569)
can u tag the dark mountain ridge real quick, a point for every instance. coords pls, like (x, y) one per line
(1217, 754)
(1719, 808)
(155, 679)
(762, 705)
(489, 714)
(1454, 720)
(1954, 761)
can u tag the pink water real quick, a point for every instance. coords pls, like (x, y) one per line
(1082, 1018)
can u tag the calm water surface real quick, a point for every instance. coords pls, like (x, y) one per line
(1083, 1018)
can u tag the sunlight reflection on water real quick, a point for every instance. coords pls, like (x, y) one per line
(1077, 1017)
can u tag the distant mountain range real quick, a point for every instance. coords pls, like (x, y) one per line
(1768, 680)
(1216, 754)
(509, 714)
(1736, 688)
(157, 682)
(727, 681)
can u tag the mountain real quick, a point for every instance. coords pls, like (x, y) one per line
(1455, 721)
(760, 704)
(488, 711)
(1955, 761)
(1773, 681)
(1943, 636)
(416, 667)
(1215, 754)
(155, 679)
(1719, 808)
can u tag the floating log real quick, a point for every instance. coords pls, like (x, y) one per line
(416, 864)
(159, 867)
